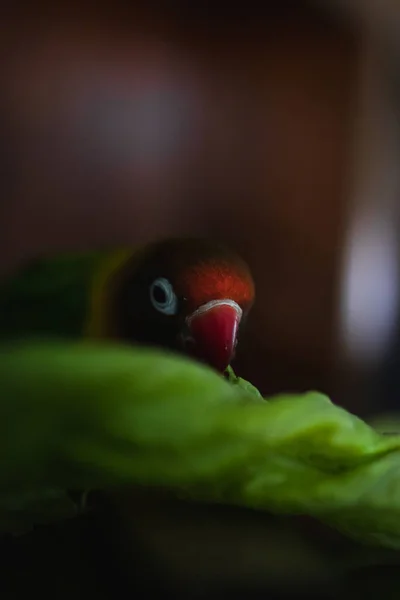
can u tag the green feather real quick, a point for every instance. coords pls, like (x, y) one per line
(50, 296)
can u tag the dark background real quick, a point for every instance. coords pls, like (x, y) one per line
(249, 138)
(124, 123)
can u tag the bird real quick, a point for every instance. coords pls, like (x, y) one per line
(186, 295)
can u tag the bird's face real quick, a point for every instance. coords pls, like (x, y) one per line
(191, 296)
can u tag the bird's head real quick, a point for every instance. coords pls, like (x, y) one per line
(188, 295)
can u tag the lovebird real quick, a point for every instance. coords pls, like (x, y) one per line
(187, 295)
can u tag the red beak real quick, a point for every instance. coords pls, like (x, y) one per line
(213, 328)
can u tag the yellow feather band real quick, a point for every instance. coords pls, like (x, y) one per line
(97, 323)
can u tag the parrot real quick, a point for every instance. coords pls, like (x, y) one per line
(78, 416)
(190, 296)
(187, 295)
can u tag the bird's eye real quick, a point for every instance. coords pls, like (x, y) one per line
(163, 297)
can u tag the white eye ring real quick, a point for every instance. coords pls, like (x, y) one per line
(168, 306)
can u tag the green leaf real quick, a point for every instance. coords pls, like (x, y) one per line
(244, 385)
(79, 416)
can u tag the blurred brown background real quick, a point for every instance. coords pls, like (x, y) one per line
(250, 124)
(274, 128)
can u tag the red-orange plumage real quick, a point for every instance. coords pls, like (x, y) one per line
(217, 281)
(169, 297)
